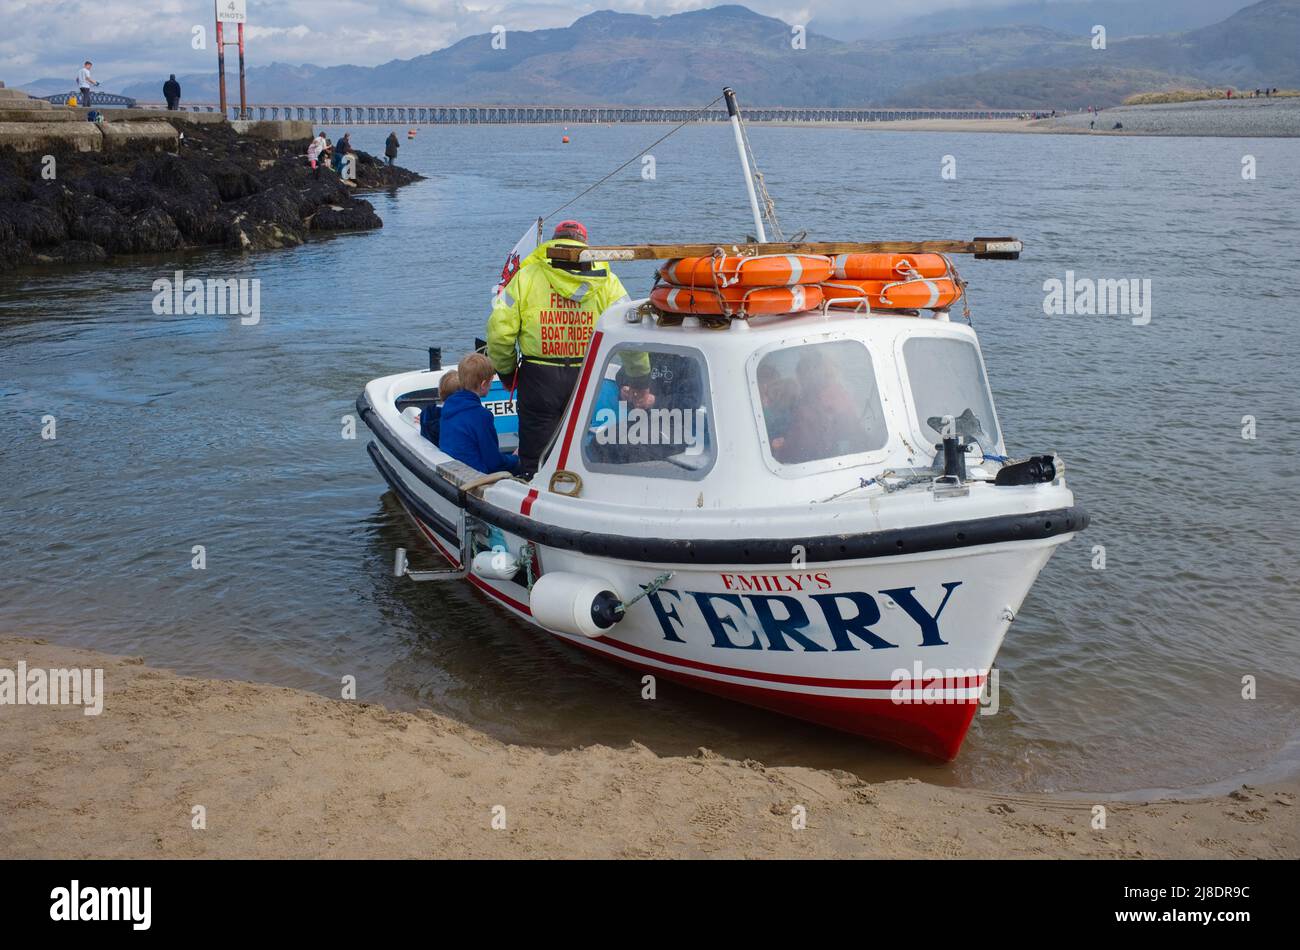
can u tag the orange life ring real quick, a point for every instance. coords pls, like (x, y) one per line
(765, 270)
(919, 293)
(888, 266)
(739, 301)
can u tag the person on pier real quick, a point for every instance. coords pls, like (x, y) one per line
(84, 82)
(172, 93)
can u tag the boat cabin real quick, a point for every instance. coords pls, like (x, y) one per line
(676, 414)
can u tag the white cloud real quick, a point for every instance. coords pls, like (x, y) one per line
(135, 38)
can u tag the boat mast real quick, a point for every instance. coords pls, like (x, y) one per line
(733, 111)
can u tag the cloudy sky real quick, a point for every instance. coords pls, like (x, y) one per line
(132, 39)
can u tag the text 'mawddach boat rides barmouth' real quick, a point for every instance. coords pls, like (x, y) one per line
(780, 479)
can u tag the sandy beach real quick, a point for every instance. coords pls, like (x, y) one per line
(1217, 118)
(283, 773)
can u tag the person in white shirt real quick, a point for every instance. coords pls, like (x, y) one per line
(84, 82)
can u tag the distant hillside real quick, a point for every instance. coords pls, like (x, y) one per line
(685, 59)
(1259, 45)
(1121, 17)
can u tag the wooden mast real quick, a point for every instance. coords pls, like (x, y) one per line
(982, 248)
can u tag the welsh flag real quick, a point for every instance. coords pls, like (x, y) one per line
(523, 247)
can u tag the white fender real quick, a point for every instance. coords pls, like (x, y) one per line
(575, 603)
(494, 565)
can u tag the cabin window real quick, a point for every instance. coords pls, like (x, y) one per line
(820, 401)
(947, 381)
(651, 415)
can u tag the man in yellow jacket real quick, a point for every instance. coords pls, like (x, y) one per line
(540, 326)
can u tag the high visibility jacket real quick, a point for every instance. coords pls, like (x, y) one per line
(547, 313)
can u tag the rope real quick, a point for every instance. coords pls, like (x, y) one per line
(691, 118)
(769, 206)
(651, 588)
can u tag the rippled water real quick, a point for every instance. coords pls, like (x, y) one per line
(185, 430)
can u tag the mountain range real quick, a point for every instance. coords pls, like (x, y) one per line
(684, 59)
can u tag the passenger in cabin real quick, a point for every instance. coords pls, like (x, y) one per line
(431, 416)
(466, 429)
(626, 390)
(825, 423)
(779, 395)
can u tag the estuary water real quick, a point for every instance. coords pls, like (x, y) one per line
(176, 431)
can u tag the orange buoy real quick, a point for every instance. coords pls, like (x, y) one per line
(767, 270)
(565, 140)
(889, 266)
(919, 293)
(737, 301)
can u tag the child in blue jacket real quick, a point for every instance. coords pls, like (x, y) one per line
(466, 432)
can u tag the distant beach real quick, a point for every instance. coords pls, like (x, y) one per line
(285, 773)
(1217, 118)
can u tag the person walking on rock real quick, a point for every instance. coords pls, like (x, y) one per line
(391, 146)
(315, 154)
(342, 150)
(172, 93)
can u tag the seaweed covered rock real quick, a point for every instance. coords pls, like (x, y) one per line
(219, 189)
(73, 252)
(356, 216)
(36, 223)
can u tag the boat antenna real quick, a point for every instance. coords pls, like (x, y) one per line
(753, 176)
(733, 113)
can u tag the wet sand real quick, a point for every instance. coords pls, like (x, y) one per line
(1215, 118)
(285, 773)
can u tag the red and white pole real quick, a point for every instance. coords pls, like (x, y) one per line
(243, 96)
(221, 65)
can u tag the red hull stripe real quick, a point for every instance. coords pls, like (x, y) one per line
(577, 399)
(935, 729)
(526, 506)
(522, 608)
(424, 529)
(952, 683)
(504, 598)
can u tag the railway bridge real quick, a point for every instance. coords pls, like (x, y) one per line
(403, 114)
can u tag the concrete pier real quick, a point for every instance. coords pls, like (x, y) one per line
(284, 130)
(32, 125)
